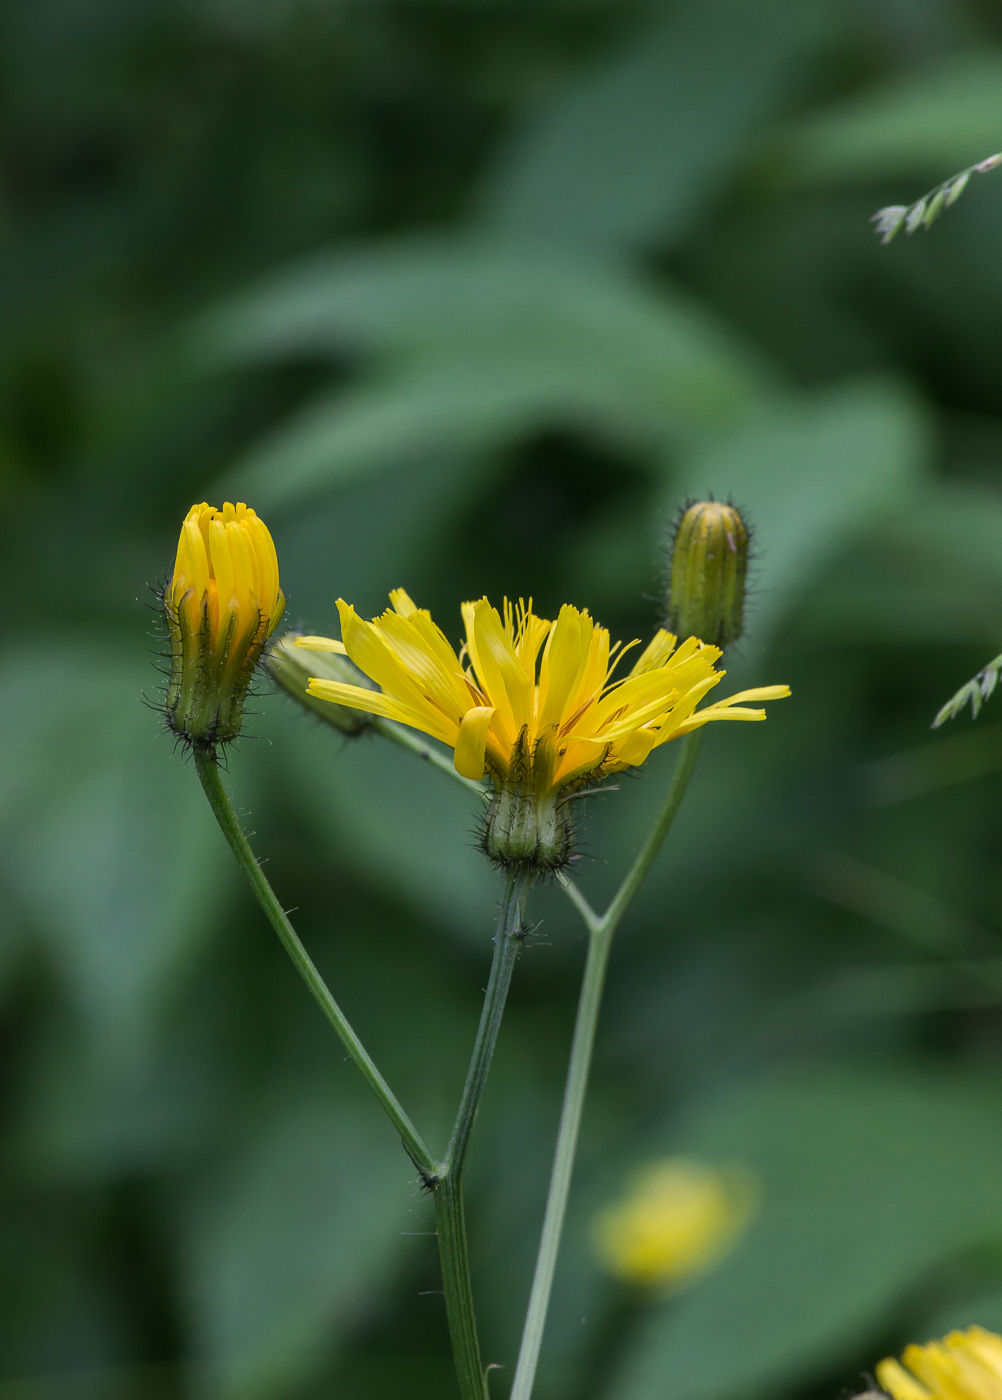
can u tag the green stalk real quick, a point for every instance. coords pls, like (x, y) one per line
(449, 1212)
(506, 947)
(207, 766)
(601, 931)
(453, 1253)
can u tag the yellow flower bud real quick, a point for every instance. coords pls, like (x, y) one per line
(676, 1220)
(292, 663)
(222, 604)
(709, 564)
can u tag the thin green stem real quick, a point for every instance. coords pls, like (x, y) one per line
(599, 945)
(407, 739)
(449, 1211)
(208, 771)
(580, 901)
(601, 931)
(506, 946)
(688, 753)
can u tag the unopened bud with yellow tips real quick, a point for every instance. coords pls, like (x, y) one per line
(709, 566)
(292, 662)
(222, 603)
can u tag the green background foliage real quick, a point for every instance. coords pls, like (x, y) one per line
(468, 295)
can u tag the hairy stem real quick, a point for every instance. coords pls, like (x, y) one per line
(449, 1210)
(506, 945)
(450, 1220)
(207, 767)
(601, 931)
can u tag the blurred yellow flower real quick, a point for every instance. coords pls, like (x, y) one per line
(963, 1366)
(572, 723)
(222, 603)
(676, 1220)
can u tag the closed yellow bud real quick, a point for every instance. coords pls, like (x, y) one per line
(222, 603)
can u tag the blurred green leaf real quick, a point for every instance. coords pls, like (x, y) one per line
(400, 821)
(959, 522)
(810, 474)
(868, 1181)
(422, 295)
(109, 843)
(632, 154)
(983, 1309)
(924, 122)
(286, 1246)
(480, 344)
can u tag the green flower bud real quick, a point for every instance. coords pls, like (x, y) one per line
(293, 666)
(529, 825)
(527, 830)
(709, 563)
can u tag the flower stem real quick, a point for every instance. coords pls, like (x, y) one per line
(450, 1221)
(686, 762)
(506, 945)
(601, 931)
(449, 1210)
(207, 766)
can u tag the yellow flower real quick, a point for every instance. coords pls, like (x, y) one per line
(222, 603)
(530, 702)
(527, 697)
(963, 1366)
(677, 1219)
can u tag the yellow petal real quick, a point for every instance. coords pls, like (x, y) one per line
(762, 692)
(321, 644)
(564, 658)
(939, 1372)
(471, 742)
(501, 675)
(715, 712)
(428, 659)
(985, 1345)
(656, 653)
(371, 653)
(893, 1378)
(373, 702)
(222, 563)
(401, 601)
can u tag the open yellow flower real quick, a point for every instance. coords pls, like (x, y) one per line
(530, 702)
(677, 1219)
(222, 603)
(963, 1366)
(528, 698)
